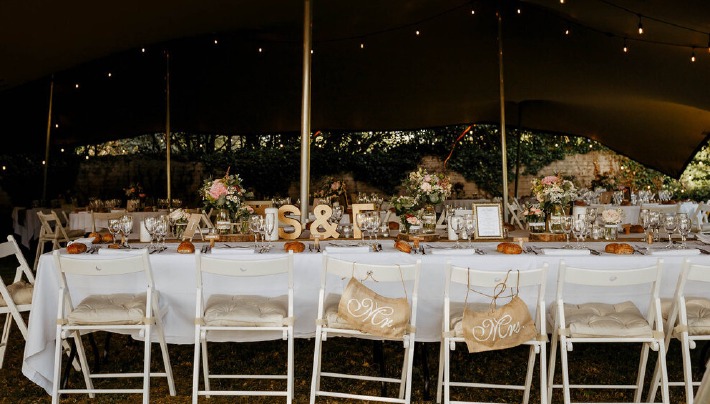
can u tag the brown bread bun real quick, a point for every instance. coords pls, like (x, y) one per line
(509, 248)
(403, 246)
(295, 246)
(114, 246)
(619, 248)
(96, 237)
(186, 247)
(76, 248)
(106, 238)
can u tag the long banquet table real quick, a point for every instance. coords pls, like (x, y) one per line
(175, 279)
(84, 221)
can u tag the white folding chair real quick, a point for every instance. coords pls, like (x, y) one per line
(385, 279)
(15, 298)
(52, 231)
(688, 320)
(482, 286)
(99, 220)
(132, 307)
(232, 316)
(577, 321)
(699, 218)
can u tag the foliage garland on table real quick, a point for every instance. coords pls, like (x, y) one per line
(223, 193)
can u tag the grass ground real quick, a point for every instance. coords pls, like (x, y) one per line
(606, 363)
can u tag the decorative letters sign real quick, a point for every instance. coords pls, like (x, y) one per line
(358, 207)
(321, 226)
(298, 229)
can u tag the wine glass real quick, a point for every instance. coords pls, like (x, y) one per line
(373, 223)
(268, 229)
(567, 224)
(684, 227)
(670, 223)
(654, 220)
(254, 227)
(470, 227)
(114, 227)
(337, 214)
(592, 214)
(457, 224)
(645, 219)
(150, 224)
(579, 228)
(361, 220)
(161, 230)
(126, 228)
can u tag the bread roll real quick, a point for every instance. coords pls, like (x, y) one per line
(186, 247)
(295, 246)
(106, 238)
(403, 246)
(116, 246)
(76, 248)
(619, 248)
(509, 248)
(95, 237)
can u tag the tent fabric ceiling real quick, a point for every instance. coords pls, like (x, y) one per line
(650, 104)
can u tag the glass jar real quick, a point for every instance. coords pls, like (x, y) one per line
(611, 231)
(223, 221)
(555, 219)
(536, 226)
(429, 219)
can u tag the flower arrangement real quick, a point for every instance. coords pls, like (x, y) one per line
(134, 191)
(428, 188)
(178, 216)
(405, 207)
(223, 193)
(330, 189)
(612, 216)
(533, 214)
(553, 190)
(244, 212)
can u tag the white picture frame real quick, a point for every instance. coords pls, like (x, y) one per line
(489, 221)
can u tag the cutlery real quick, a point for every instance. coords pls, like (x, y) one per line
(530, 250)
(420, 249)
(638, 249)
(479, 252)
(594, 252)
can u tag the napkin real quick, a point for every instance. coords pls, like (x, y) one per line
(705, 238)
(453, 251)
(120, 251)
(347, 250)
(231, 251)
(673, 251)
(88, 241)
(565, 251)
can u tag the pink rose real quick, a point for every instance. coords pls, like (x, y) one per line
(426, 187)
(217, 189)
(549, 180)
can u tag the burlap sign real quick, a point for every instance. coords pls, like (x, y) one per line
(500, 327)
(369, 312)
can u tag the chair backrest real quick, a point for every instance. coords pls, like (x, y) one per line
(244, 266)
(10, 247)
(647, 278)
(377, 276)
(483, 284)
(51, 227)
(133, 262)
(692, 275)
(99, 220)
(17, 296)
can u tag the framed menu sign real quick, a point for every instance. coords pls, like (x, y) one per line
(489, 220)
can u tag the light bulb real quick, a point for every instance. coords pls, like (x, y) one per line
(362, 46)
(626, 48)
(640, 26)
(692, 57)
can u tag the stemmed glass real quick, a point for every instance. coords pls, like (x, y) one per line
(361, 219)
(114, 227)
(670, 223)
(567, 225)
(126, 228)
(373, 224)
(268, 229)
(337, 214)
(645, 220)
(579, 228)
(150, 224)
(457, 224)
(592, 215)
(469, 226)
(654, 220)
(161, 230)
(684, 227)
(254, 226)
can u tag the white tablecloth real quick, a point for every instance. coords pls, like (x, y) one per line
(175, 278)
(82, 221)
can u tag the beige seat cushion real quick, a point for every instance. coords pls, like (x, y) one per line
(605, 320)
(332, 319)
(698, 311)
(21, 293)
(246, 311)
(456, 315)
(120, 308)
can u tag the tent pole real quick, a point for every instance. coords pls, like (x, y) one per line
(306, 112)
(503, 146)
(167, 124)
(46, 147)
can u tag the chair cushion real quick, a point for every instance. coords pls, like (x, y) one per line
(246, 311)
(119, 308)
(21, 293)
(605, 320)
(332, 319)
(456, 315)
(698, 311)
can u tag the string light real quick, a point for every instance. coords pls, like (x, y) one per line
(692, 57)
(215, 42)
(626, 48)
(640, 26)
(362, 45)
(473, 11)
(76, 85)
(260, 50)
(562, 1)
(56, 125)
(417, 32)
(109, 74)
(519, 11)
(142, 50)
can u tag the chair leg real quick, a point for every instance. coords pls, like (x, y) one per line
(196, 366)
(146, 366)
(315, 379)
(205, 365)
(166, 359)
(65, 375)
(641, 373)
(83, 362)
(529, 374)
(543, 374)
(290, 368)
(5, 337)
(687, 369)
(551, 366)
(440, 378)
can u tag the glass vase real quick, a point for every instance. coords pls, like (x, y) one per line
(611, 231)
(554, 221)
(536, 225)
(429, 219)
(223, 221)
